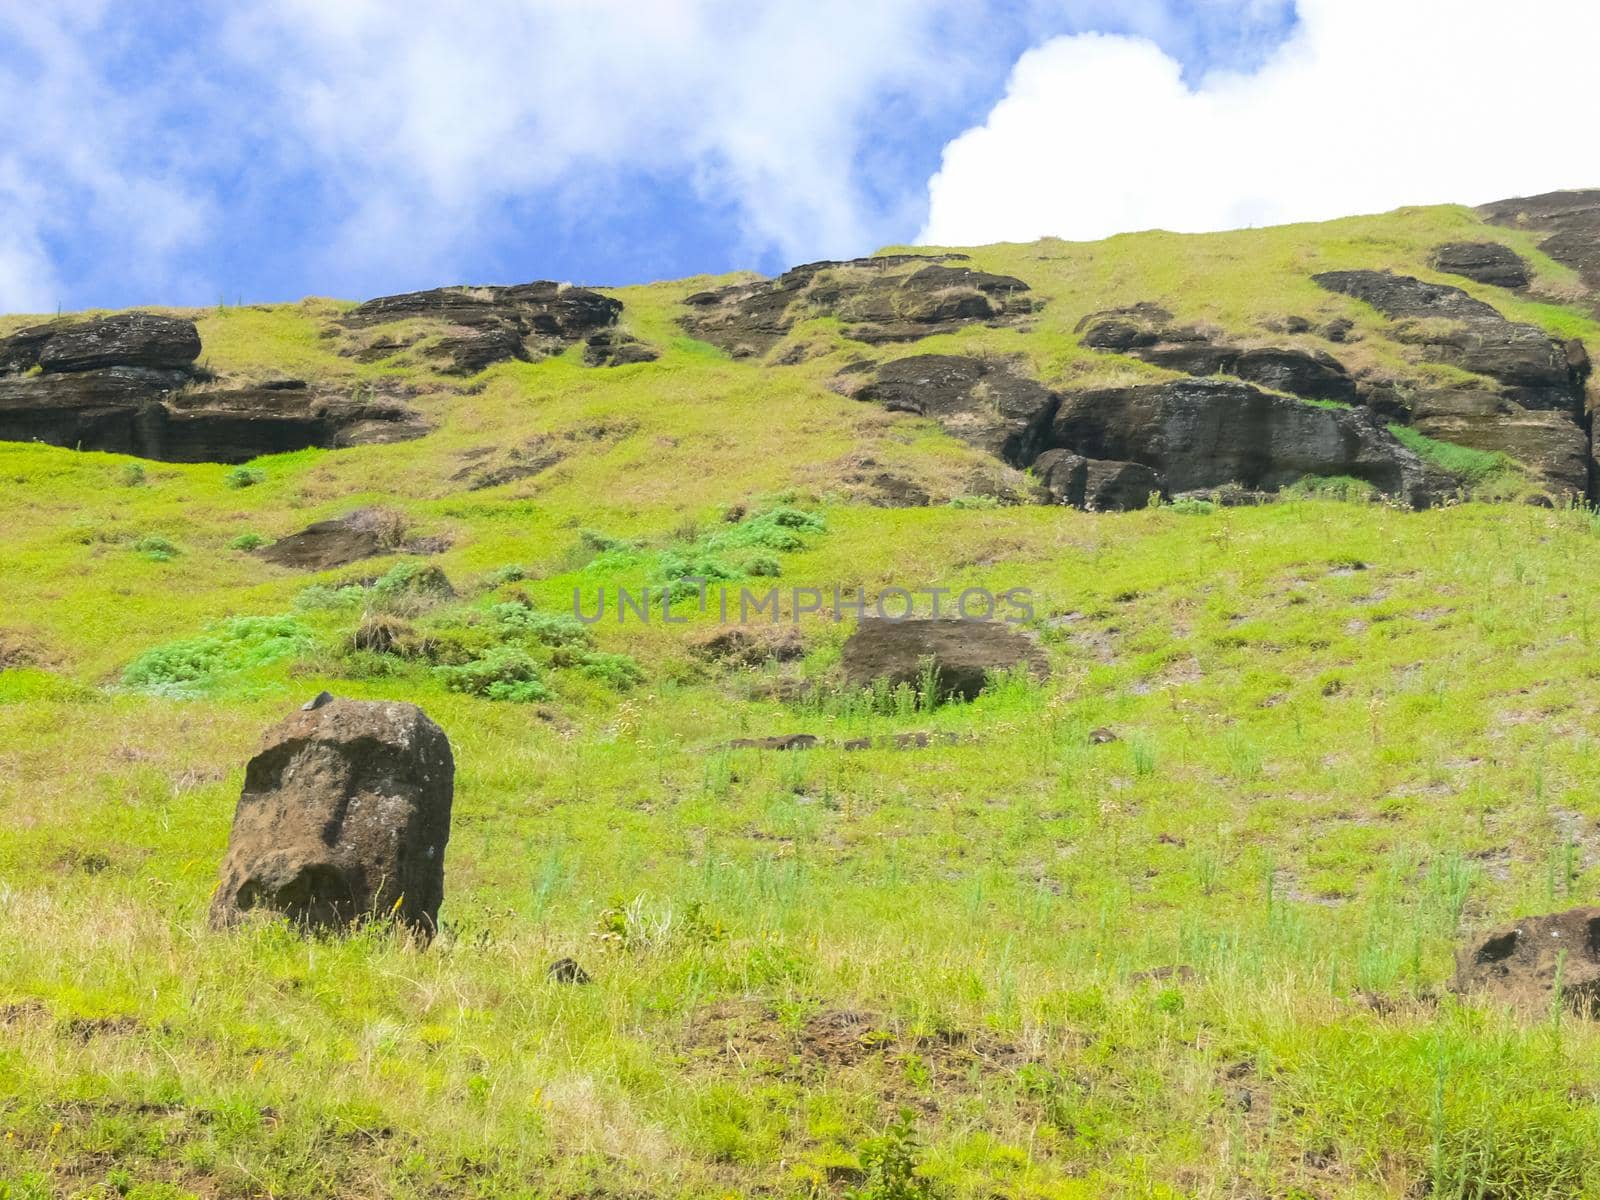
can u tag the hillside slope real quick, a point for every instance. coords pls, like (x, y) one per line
(1303, 514)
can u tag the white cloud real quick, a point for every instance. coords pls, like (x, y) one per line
(457, 107)
(1370, 105)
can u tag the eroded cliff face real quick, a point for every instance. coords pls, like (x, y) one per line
(1190, 408)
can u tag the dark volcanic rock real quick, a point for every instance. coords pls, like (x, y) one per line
(1096, 484)
(983, 403)
(964, 653)
(20, 351)
(1147, 332)
(1519, 965)
(1571, 218)
(610, 348)
(892, 298)
(1482, 262)
(344, 817)
(474, 327)
(124, 340)
(337, 542)
(1550, 445)
(1204, 433)
(117, 409)
(1453, 328)
(153, 414)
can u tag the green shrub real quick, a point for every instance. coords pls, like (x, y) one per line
(506, 673)
(765, 566)
(243, 477)
(513, 620)
(192, 665)
(615, 670)
(322, 596)
(1330, 487)
(974, 502)
(247, 542)
(510, 573)
(156, 548)
(778, 528)
(1190, 507)
(414, 580)
(131, 475)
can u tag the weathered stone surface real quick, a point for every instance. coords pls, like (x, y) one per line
(337, 542)
(1204, 433)
(749, 646)
(1519, 965)
(1096, 484)
(116, 409)
(1452, 327)
(20, 351)
(1571, 218)
(892, 298)
(123, 340)
(1148, 332)
(611, 348)
(1550, 445)
(471, 328)
(983, 403)
(156, 415)
(964, 653)
(344, 817)
(1482, 262)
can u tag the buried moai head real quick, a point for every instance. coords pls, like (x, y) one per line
(344, 817)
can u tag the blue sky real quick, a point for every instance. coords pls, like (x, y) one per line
(180, 152)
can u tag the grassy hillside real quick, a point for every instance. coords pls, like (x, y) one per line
(1345, 735)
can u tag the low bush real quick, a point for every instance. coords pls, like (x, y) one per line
(194, 665)
(499, 673)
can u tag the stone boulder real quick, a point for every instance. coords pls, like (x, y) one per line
(344, 817)
(890, 298)
(468, 329)
(1519, 965)
(1148, 332)
(985, 404)
(964, 653)
(339, 541)
(1483, 262)
(124, 340)
(1453, 328)
(1095, 484)
(1205, 433)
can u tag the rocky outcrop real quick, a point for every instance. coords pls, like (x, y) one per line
(124, 340)
(892, 298)
(964, 654)
(1550, 446)
(1205, 433)
(1572, 219)
(986, 404)
(1148, 332)
(1521, 965)
(1095, 484)
(1120, 445)
(1453, 328)
(127, 385)
(344, 817)
(158, 415)
(1483, 262)
(467, 329)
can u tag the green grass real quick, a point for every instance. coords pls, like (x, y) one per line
(1472, 467)
(1346, 737)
